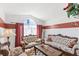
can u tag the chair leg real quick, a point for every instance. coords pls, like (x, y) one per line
(35, 50)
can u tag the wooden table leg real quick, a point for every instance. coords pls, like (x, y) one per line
(35, 50)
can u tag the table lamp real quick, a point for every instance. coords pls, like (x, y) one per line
(8, 33)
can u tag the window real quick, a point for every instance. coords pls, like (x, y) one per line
(29, 27)
(1, 31)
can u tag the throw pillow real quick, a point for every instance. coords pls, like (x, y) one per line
(72, 43)
(49, 39)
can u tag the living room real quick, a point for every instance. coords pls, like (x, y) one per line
(39, 29)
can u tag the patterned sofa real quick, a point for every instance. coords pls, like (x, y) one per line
(17, 51)
(64, 43)
(29, 41)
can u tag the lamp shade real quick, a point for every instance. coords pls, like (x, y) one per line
(8, 33)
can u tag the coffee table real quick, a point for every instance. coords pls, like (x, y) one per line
(47, 50)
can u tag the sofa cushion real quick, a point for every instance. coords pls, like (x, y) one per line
(53, 44)
(60, 40)
(16, 51)
(38, 40)
(56, 38)
(49, 39)
(67, 49)
(5, 47)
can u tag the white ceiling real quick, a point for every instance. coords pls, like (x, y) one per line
(43, 11)
(39, 10)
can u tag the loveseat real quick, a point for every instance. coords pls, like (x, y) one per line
(29, 41)
(65, 43)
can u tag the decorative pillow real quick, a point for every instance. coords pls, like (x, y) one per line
(49, 39)
(72, 43)
(5, 47)
(25, 41)
(38, 40)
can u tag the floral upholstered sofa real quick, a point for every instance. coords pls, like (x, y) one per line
(5, 49)
(64, 43)
(29, 41)
(17, 51)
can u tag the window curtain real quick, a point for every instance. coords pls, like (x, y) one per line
(19, 33)
(39, 31)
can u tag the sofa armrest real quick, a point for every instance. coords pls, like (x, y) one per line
(76, 52)
(23, 45)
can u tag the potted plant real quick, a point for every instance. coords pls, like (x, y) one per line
(72, 9)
